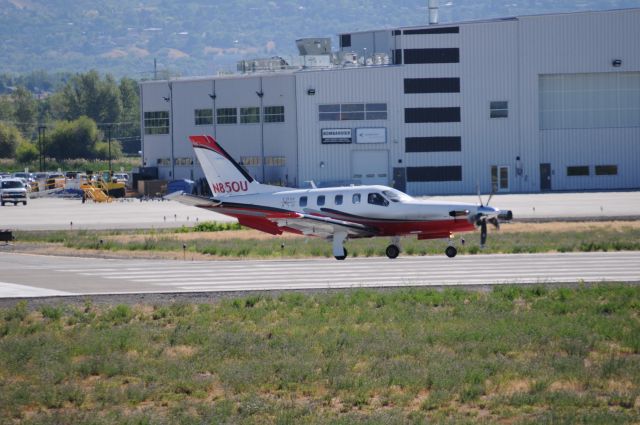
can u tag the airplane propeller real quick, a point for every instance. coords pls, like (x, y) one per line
(488, 214)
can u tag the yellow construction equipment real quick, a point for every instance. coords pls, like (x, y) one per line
(94, 193)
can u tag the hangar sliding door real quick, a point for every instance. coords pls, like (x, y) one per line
(370, 167)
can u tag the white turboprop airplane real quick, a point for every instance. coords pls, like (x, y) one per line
(335, 213)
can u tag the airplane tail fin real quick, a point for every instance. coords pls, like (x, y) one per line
(225, 176)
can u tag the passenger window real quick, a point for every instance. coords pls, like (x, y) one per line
(303, 201)
(338, 200)
(356, 198)
(377, 199)
(320, 200)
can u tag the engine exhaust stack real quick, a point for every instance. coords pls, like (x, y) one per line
(433, 12)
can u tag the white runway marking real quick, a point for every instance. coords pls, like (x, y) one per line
(32, 275)
(10, 290)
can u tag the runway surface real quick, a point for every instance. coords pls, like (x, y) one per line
(24, 276)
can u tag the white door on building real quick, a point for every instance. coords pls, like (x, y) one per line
(500, 178)
(370, 167)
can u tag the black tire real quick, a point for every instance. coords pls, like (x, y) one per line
(392, 251)
(15, 203)
(451, 251)
(3, 204)
(24, 203)
(342, 257)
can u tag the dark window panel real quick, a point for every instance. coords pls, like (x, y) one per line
(445, 30)
(397, 32)
(606, 170)
(397, 57)
(443, 55)
(345, 40)
(417, 115)
(578, 170)
(433, 144)
(431, 85)
(447, 173)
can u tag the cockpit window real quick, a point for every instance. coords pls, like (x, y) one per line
(396, 195)
(377, 199)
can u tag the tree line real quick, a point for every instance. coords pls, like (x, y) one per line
(74, 121)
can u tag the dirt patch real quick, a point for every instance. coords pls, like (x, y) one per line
(179, 351)
(568, 386)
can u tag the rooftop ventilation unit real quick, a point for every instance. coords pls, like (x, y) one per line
(314, 46)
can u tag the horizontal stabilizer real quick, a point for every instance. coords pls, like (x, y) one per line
(192, 200)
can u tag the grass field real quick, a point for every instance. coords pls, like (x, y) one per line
(414, 356)
(210, 240)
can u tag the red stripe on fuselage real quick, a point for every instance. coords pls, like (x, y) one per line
(433, 229)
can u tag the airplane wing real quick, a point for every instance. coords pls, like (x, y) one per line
(325, 226)
(192, 200)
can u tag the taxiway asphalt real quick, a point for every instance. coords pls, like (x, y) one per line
(25, 275)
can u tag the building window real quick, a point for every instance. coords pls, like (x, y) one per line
(418, 56)
(499, 109)
(606, 170)
(433, 144)
(338, 200)
(439, 30)
(227, 115)
(249, 115)
(184, 161)
(165, 162)
(352, 112)
(156, 122)
(434, 174)
(578, 170)
(250, 161)
(274, 114)
(355, 198)
(418, 115)
(431, 85)
(320, 200)
(345, 40)
(376, 111)
(275, 161)
(397, 57)
(204, 116)
(303, 201)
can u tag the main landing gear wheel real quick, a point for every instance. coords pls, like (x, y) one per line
(451, 251)
(393, 251)
(342, 257)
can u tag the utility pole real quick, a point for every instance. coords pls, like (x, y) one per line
(109, 138)
(41, 144)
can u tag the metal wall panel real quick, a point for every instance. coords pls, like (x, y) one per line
(500, 60)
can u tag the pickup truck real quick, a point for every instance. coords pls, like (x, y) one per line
(13, 190)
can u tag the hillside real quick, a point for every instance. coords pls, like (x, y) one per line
(194, 37)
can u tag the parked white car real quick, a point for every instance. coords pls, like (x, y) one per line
(13, 190)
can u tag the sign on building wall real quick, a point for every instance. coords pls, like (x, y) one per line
(336, 135)
(371, 135)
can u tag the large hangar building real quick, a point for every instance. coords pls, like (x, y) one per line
(522, 104)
